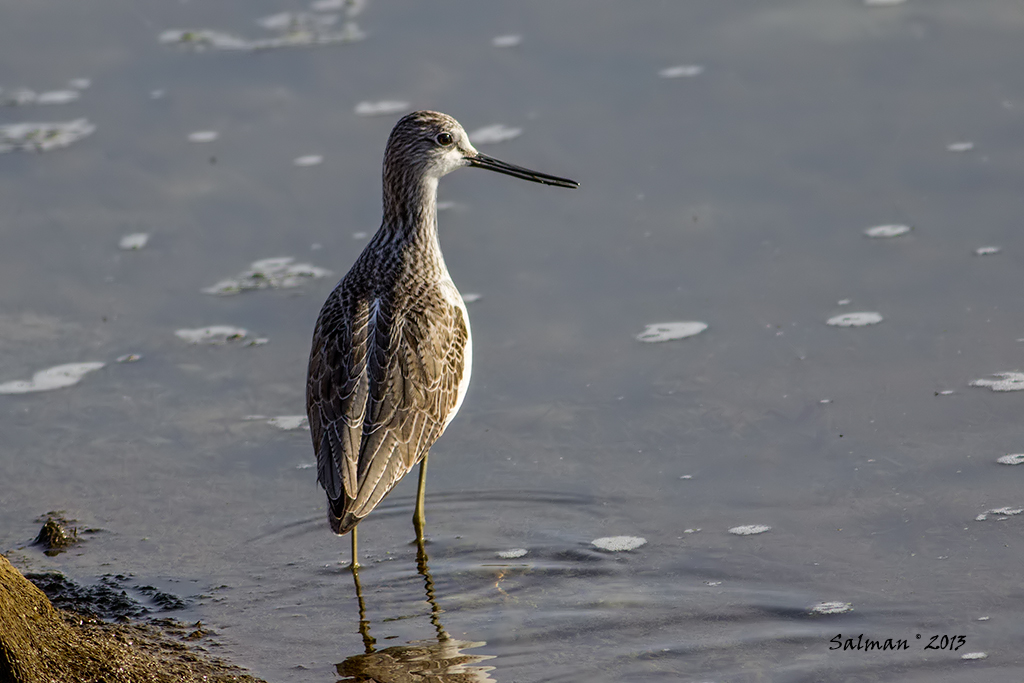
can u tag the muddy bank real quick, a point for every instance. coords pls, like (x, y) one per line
(42, 644)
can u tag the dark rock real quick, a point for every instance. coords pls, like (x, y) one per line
(42, 644)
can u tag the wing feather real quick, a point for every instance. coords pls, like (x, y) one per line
(382, 380)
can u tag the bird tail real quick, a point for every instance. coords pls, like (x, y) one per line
(341, 520)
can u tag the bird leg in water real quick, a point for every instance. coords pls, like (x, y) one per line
(364, 623)
(355, 561)
(428, 584)
(419, 519)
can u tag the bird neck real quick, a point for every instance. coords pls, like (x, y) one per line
(410, 210)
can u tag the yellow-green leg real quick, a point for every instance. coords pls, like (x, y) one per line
(355, 556)
(419, 518)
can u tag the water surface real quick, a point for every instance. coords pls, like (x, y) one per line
(737, 196)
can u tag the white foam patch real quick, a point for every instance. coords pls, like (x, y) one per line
(859, 319)
(987, 251)
(214, 334)
(381, 108)
(43, 137)
(203, 136)
(136, 240)
(510, 40)
(56, 377)
(289, 422)
(1008, 381)
(129, 358)
(80, 83)
(24, 96)
(512, 553)
(887, 230)
(297, 21)
(1001, 513)
(749, 529)
(489, 135)
(57, 97)
(682, 71)
(833, 607)
(659, 332)
(309, 160)
(298, 29)
(279, 272)
(618, 544)
(1012, 459)
(960, 147)
(351, 7)
(974, 655)
(470, 297)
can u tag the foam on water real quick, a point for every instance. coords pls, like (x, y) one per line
(297, 21)
(834, 607)
(136, 240)
(1012, 459)
(512, 553)
(1008, 381)
(470, 297)
(749, 529)
(987, 251)
(960, 146)
(350, 7)
(57, 377)
(659, 332)
(129, 358)
(887, 230)
(80, 83)
(618, 544)
(300, 30)
(57, 97)
(381, 108)
(25, 96)
(510, 40)
(489, 135)
(682, 71)
(214, 334)
(308, 160)
(858, 319)
(289, 422)
(1001, 513)
(279, 272)
(43, 137)
(974, 655)
(203, 136)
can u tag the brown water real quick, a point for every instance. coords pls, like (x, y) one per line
(737, 197)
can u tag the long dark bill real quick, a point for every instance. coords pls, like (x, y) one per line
(492, 164)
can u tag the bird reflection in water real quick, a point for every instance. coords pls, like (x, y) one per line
(423, 662)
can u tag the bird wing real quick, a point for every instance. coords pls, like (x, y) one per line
(382, 380)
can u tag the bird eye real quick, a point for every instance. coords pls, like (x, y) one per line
(444, 139)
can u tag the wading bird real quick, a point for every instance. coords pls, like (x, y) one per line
(392, 351)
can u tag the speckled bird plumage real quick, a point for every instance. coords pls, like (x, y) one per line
(392, 352)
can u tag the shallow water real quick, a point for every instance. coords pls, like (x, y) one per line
(737, 196)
